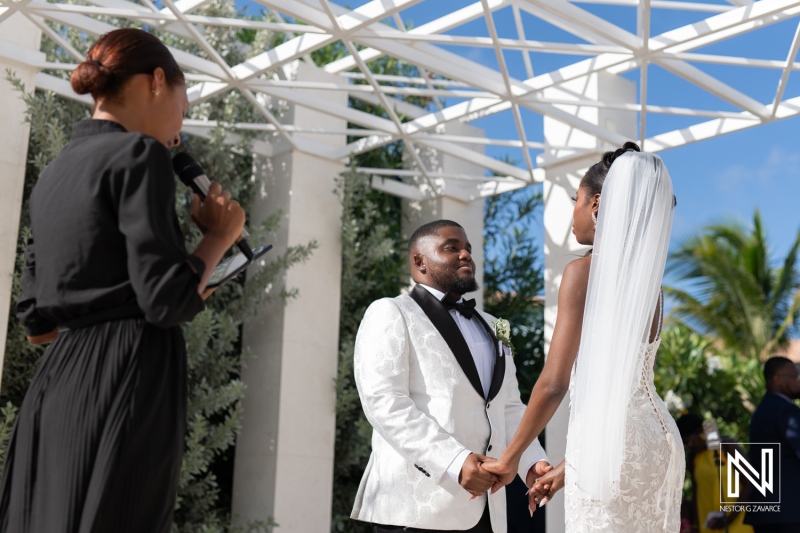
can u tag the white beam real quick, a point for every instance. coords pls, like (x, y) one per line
(400, 189)
(785, 75)
(644, 33)
(501, 61)
(487, 42)
(581, 22)
(726, 25)
(666, 4)
(438, 26)
(714, 86)
(729, 60)
(97, 28)
(304, 44)
(715, 128)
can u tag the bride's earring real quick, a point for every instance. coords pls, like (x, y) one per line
(594, 219)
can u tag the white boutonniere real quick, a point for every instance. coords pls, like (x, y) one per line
(502, 330)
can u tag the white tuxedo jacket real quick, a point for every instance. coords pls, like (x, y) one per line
(421, 392)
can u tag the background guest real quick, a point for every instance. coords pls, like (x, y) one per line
(777, 419)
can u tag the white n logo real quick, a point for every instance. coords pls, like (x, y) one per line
(740, 464)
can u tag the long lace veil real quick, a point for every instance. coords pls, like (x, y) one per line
(630, 250)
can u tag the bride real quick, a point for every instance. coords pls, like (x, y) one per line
(624, 462)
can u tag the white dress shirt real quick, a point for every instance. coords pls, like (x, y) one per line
(480, 344)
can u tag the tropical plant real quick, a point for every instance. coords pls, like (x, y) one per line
(692, 374)
(731, 290)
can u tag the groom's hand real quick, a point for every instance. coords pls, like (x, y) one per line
(474, 478)
(506, 472)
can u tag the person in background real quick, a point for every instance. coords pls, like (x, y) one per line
(777, 419)
(704, 467)
(99, 438)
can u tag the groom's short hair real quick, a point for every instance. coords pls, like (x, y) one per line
(428, 230)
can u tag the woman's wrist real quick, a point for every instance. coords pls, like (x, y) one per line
(220, 237)
(510, 459)
(210, 251)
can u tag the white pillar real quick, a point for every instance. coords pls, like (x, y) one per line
(19, 34)
(459, 201)
(284, 455)
(561, 183)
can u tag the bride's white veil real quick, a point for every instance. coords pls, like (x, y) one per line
(634, 223)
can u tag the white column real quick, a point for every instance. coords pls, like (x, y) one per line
(561, 183)
(459, 201)
(16, 33)
(284, 455)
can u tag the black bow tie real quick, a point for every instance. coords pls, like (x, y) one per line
(465, 307)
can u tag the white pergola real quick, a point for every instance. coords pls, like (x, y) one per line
(462, 90)
(591, 104)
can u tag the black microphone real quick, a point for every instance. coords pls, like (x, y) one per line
(192, 174)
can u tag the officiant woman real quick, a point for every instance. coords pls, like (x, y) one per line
(98, 442)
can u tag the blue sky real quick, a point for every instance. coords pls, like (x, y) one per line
(719, 179)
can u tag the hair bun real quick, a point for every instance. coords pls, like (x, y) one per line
(610, 157)
(596, 175)
(90, 77)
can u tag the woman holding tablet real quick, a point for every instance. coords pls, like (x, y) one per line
(98, 442)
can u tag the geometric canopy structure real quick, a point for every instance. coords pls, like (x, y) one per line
(655, 43)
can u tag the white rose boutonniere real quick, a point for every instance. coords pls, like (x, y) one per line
(502, 330)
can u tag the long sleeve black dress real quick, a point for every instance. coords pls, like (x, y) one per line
(99, 438)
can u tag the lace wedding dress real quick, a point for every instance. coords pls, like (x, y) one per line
(648, 497)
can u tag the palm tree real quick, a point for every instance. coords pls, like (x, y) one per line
(733, 292)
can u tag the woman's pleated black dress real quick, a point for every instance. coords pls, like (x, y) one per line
(99, 437)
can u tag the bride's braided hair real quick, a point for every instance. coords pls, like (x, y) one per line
(596, 175)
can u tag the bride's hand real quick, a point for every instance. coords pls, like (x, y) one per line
(506, 471)
(546, 486)
(537, 491)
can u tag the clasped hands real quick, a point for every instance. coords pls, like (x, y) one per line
(480, 474)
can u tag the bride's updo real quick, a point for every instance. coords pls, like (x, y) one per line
(119, 55)
(596, 175)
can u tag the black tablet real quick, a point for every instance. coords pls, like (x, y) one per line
(233, 266)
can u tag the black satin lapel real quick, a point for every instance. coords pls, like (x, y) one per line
(444, 323)
(499, 362)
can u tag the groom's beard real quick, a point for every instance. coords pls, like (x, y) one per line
(449, 282)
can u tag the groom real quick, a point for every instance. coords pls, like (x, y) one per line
(440, 391)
